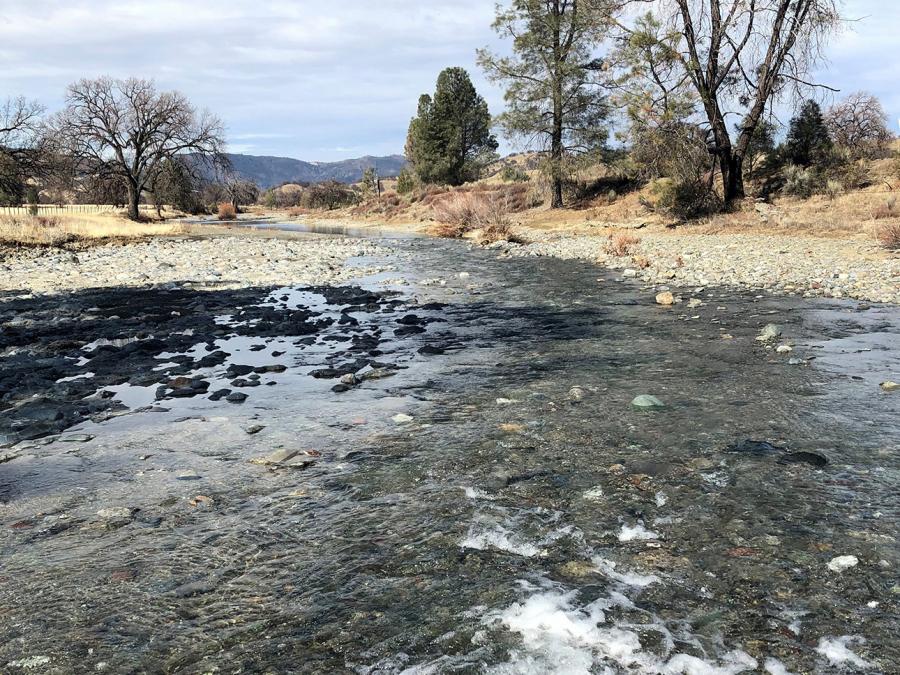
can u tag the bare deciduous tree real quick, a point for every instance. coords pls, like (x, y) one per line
(858, 124)
(22, 151)
(740, 56)
(132, 129)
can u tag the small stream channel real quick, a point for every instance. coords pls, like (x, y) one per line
(482, 497)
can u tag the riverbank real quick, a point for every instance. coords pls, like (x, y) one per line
(841, 263)
(848, 267)
(208, 258)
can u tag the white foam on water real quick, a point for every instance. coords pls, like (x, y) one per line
(525, 533)
(477, 493)
(636, 533)
(838, 652)
(83, 376)
(560, 637)
(594, 494)
(103, 342)
(608, 568)
(775, 667)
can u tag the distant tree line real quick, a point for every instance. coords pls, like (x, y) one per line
(117, 142)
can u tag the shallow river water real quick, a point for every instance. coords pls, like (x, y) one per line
(497, 505)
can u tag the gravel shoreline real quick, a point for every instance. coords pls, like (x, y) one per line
(786, 265)
(220, 262)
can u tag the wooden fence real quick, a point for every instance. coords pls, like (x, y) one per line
(66, 209)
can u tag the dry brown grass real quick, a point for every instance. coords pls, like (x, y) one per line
(58, 230)
(888, 236)
(464, 211)
(227, 212)
(621, 244)
(886, 210)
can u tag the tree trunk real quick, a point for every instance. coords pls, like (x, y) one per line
(134, 199)
(556, 151)
(732, 167)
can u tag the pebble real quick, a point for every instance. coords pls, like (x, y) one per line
(665, 298)
(116, 513)
(647, 401)
(784, 349)
(254, 429)
(236, 397)
(890, 386)
(770, 332)
(277, 457)
(188, 475)
(842, 563)
(401, 418)
(577, 394)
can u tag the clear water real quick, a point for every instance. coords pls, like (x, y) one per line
(507, 527)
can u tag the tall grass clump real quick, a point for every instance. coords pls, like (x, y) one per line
(227, 212)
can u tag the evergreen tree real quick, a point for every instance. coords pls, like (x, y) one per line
(552, 93)
(450, 140)
(808, 141)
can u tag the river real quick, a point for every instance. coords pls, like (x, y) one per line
(493, 503)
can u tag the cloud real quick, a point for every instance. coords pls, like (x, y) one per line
(310, 79)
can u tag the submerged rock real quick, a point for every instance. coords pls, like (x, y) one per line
(843, 563)
(116, 513)
(577, 393)
(277, 457)
(759, 448)
(647, 401)
(811, 458)
(770, 332)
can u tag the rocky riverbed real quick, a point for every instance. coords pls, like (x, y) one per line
(208, 262)
(444, 462)
(810, 267)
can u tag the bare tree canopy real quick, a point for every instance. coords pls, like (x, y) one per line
(552, 79)
(21, 145)
(742, 55)
(858, 124)
(132, 130)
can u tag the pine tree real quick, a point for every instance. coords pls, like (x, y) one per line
(808, 141)
(552, 78)
(450, 140)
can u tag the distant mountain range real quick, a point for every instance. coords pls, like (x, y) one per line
(272, 171)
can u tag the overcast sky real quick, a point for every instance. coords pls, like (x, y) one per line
(319, 80)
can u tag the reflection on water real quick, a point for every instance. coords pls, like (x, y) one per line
(523, 518)
(318, 227)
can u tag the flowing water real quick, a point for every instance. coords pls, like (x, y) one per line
(500, 507)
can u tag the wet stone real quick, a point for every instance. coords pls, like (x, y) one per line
(647, 401)
(236, 397)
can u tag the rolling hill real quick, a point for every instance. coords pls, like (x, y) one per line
(271, 171)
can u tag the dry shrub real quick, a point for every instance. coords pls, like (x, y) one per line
(227, 212)
(620, 244)
(887, 210)
(297, 211)
(641, 262)
(464, 211)
(391, 199)
(888, 235)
